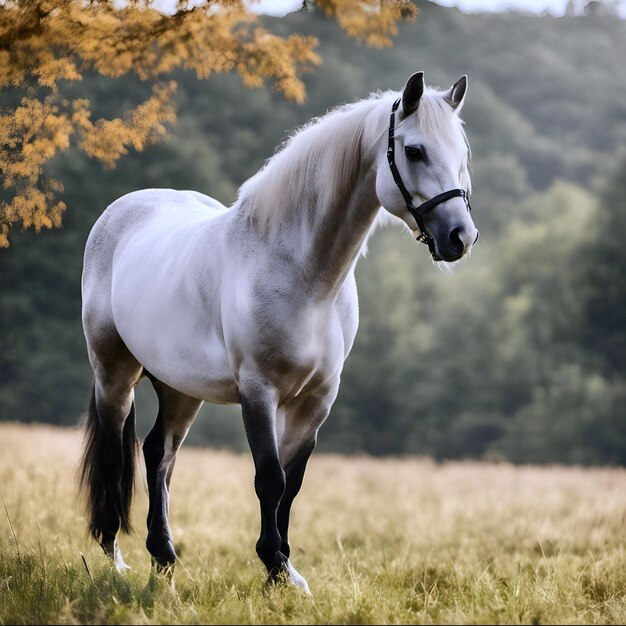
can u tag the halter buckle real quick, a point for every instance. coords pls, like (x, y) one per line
(421, 237)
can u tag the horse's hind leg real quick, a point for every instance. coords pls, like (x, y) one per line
(176, 414)
(107, 466)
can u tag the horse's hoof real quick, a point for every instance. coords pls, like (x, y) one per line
(287, 575)
(165, 570)
(112, 550)
(162, 578)
(296, 578)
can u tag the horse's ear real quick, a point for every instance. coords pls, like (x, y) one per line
(456, 94)
(413, 91)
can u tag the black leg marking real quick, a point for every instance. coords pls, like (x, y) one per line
(159, 540)
(176, 413)
(294, 473)
(259, 413)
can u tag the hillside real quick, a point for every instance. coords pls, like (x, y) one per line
(520, 354)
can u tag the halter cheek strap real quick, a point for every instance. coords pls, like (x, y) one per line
(419, 211)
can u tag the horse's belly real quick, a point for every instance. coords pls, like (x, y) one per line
(199, 370)
(192, 361)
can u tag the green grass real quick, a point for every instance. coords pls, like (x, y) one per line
(379, 541)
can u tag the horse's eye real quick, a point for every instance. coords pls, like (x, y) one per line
(414, 153)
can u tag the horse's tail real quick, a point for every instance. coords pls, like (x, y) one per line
(107, 473)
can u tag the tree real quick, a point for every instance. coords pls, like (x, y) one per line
(602, 277)
(47, 44)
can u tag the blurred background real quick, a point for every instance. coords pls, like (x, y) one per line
(518, 355)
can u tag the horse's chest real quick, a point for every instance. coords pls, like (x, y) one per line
(301, 348)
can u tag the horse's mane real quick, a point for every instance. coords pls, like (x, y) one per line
(328, 150)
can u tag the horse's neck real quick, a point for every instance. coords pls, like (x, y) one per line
(335, 239)
(335, 208)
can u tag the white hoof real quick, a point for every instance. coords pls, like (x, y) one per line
(112, 550)
(296, 579)
(120, 566)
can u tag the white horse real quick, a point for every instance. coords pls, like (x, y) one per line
(256, 304)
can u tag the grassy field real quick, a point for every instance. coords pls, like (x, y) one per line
(379, 541)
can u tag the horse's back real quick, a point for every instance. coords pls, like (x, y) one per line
(139, 213)
(135, 211)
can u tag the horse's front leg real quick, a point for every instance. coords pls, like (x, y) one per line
(258, 406)
(302, 421)
(294, 474)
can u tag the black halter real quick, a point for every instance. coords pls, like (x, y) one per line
(418, 212)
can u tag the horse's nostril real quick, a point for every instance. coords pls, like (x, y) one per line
(456, 239)
(477, 236)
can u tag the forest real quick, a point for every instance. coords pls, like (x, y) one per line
(517, 355)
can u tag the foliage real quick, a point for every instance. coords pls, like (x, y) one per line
(46, 43)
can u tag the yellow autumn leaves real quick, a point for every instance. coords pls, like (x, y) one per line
(45, 42)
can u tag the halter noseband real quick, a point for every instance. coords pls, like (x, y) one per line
(418, 212)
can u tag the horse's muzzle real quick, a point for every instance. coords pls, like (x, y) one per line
(454, 245)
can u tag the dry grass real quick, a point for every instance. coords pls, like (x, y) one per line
(380, 541)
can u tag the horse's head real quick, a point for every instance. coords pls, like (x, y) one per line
(422, 173)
